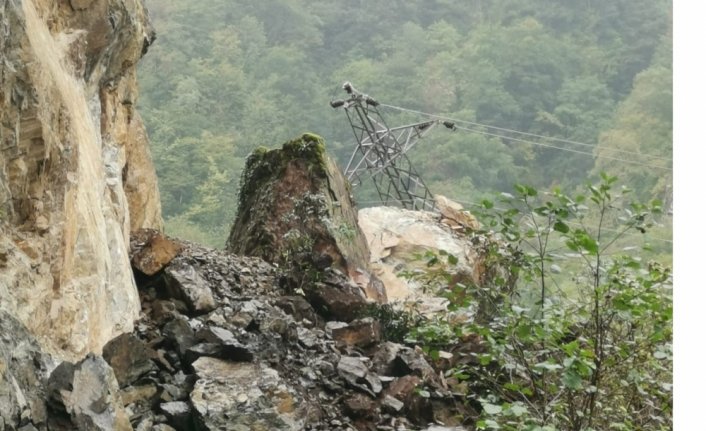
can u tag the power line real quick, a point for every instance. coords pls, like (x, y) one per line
(528, 134)
(563, 149)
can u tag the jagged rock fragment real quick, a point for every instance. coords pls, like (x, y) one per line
(384, 359)
(127, 355)
(185, 283)
(360, 332)
(180, 334)
(151, 251)
(392, 404)
(242, 396)
(359, 406)
(297, 307)
(178, 414)
(342, 302)
(89, 393)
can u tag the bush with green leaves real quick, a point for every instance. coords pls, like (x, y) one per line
(584, 341)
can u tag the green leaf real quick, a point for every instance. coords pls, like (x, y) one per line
(453, 260)
(518, 409)
(560, 226)
(547, 366)
(523, 331)
(571, 380)
(492, 409)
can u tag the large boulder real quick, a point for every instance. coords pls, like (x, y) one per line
(88, 392)
(295, 210)
(404, 242)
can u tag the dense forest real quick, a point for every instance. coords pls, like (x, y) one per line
(547, 93)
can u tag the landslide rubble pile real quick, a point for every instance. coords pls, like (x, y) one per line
(221, 345)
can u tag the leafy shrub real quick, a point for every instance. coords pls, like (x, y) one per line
(584, 342)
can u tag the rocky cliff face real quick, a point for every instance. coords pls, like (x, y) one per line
(75, 171)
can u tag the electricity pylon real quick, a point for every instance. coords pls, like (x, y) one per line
(381, 152)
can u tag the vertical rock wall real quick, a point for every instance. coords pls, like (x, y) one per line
(75, 171)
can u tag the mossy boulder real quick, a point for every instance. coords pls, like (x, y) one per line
(295, 210)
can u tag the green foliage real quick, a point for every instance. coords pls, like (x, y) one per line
(396, 323)
(590, 349)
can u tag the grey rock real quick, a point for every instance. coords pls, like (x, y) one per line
(22, 368)
(185, 283)
(178, 414)
(243, 396)
(351, 368)
(392, 404)
(179, 332)
(360, 333)
(214, 334)
(92, 398)
(383, 361)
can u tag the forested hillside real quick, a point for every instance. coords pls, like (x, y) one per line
(226, 76)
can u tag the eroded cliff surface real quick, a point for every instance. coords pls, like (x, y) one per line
(75, 171)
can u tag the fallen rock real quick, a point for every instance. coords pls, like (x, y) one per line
(453, 214)
(185, 283)
(89, 393)
(392, 404)
(360, 332)
(178, 415)
(359, 406)
(297, 307)
(180, 334)
(127, 355)
(343, 302)
(243, 396)
(151, 251)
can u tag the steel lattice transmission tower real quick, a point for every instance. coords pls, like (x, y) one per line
(381, 152)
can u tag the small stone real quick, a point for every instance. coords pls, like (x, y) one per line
(241, 319)
(392, 404)
(360, 333)
(351, 368)
(374, 382)
(214, 334)
(307, 338)
(179, 332)
(178, 414)
(359, 406)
